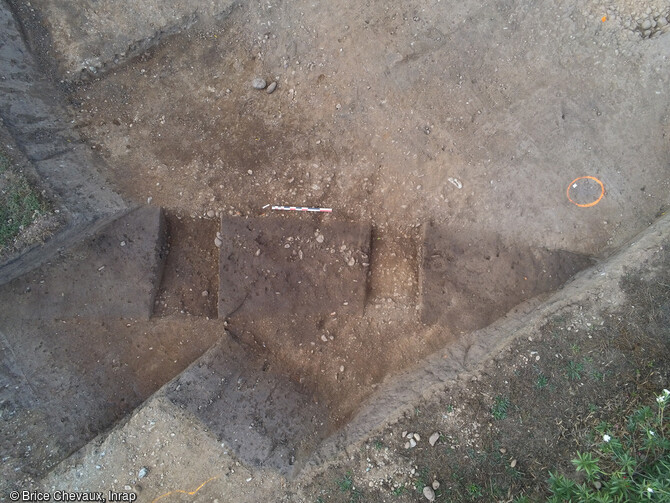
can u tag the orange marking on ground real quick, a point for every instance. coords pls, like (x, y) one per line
(179, 491)
(603, 19)
(602, 191)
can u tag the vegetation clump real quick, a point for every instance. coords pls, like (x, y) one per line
(20, 203)
(630, 463)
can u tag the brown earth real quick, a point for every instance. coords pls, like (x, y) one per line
(376, 131)
(190, 279)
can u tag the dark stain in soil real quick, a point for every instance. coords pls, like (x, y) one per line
(190, 280)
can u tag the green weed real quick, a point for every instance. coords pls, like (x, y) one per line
(500, 406)
(542, 381)
(346, 483)
(421, 480)
(631, 463)
(474, 491)
(597, 376)
(574, 370)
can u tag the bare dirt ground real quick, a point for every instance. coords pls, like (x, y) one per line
(377, 108)
(79, 351)
(376, 129)
(454, 129)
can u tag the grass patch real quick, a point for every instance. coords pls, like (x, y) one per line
(421, 480)
(574, 371)
(500, 406)
(346, 483)
(474, 491)
(20, 203)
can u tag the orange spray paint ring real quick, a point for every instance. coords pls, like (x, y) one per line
(602, 191)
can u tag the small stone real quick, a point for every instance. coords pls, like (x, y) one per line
(503, 450)
(412, 442)
(436, 485)
(205, 293)
(406, 445)
(662, 21)
(123, 243)
(513, 463)
(433, 439)
(271, 88)
(351, 262)
(404, 434)
(211, 213)
(258, 83)
(324, 338)
(417, 437)
(319, 238)
(341, 368)
(428, 493)
(597, 485)
(410, 435)
(143, 472)
(646, 24)
(218, 242)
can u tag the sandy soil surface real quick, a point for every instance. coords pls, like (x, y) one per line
(378, 106)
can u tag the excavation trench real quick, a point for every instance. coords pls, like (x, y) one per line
(321, 311)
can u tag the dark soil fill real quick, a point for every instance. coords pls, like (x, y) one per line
(470, 280)
(190, 279)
